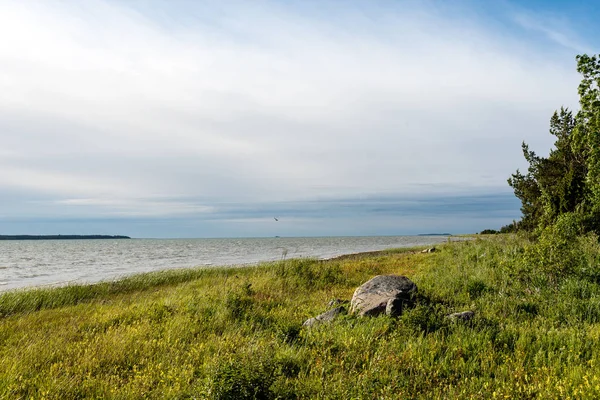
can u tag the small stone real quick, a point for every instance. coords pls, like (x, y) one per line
(336, 302)
(325, 317)
(463, 316)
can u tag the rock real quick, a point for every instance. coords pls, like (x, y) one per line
(336, 302)
(394, 307)
(431, 250)
(383, 293)
(325, 317)
(463, 316)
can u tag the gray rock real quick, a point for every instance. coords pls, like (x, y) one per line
(336, 302)
(394, 307)
(463, 316)
(325, 317)
(383, 293)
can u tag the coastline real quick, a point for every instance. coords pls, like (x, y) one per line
(225, 332)
(180, 274)
(41, 263)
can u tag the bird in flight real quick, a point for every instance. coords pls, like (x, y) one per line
(275, 219)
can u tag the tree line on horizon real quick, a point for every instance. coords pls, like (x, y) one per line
(566, 184)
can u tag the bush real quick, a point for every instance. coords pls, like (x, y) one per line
(239, 302)
(256, 374)
(307, 273)
(425, 318)
(557, 252)
(510, 228)
(488, 232)
(590, 257)
(527, 309)
(243, 378)
(476, 288)
(288, 332)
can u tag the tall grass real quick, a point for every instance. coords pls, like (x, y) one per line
(237, 333)
(22, 301)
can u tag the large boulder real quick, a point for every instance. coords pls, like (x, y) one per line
(383, 293)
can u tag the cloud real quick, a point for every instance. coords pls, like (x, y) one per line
(384, 215)
(132, 109)
(554, 29)
(135, 208)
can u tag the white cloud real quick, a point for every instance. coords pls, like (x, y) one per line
(256, 101)
(553, 29)
(59, 183)
(136, 207)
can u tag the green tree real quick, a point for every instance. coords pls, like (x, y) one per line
(587, 132)
(568, 180)
(527, 190)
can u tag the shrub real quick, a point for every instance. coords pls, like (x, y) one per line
(590, 257)
(425, 318)
(476, 288)
(309, 273)
(557, 252)
(288, 332)
(239, 301)
(488, 232)
(243, 378)
(527, 308)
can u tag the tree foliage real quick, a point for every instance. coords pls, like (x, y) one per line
(568, 180)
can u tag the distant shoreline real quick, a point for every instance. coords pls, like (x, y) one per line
(60, 237)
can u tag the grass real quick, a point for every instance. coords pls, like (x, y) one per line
(236, 333)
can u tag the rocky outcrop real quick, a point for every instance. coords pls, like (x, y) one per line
(383, 294)
(325, 317)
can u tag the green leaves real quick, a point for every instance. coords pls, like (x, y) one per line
(588, 122)
(568, 180)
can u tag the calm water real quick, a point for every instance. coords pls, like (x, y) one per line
(50, 262)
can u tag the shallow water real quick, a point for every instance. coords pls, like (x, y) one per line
(26, 263)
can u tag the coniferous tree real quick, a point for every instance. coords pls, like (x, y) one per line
(587, 134)
(568, 180)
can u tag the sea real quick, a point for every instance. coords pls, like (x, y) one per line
(35, 263)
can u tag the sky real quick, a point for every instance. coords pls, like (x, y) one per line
(213, 118)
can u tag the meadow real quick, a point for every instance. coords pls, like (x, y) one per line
(236, 333)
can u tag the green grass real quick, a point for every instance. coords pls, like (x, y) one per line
(236, 333)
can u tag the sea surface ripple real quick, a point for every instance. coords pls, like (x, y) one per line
(28, 263)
